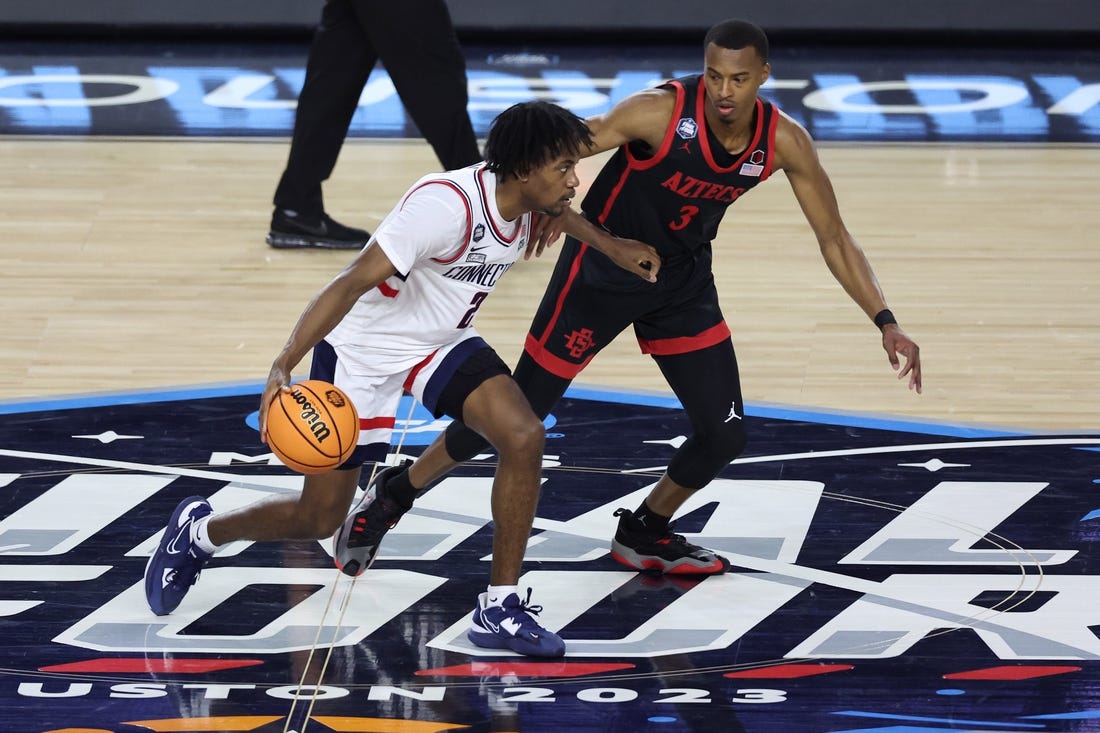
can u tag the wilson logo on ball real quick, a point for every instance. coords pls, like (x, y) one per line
(312, 418)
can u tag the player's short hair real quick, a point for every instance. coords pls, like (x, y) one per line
(737, 34)
(529, 134)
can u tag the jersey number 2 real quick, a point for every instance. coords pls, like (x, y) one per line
(476, 302)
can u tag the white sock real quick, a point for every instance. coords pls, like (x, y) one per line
(201, 537)
(495, 594)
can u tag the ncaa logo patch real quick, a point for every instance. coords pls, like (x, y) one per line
(687, 128)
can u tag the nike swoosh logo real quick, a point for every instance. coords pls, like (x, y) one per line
(166, 578)
(172, 548)
(489, 624)
(478, 249)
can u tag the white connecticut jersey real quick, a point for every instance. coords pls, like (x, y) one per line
(450, 246)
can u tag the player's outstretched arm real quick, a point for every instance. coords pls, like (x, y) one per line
(629, 254)
(797, 156)
(641, 116)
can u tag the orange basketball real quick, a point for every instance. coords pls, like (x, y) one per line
(313, 428)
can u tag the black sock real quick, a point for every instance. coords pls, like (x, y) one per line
(650, 521)
(400, 489)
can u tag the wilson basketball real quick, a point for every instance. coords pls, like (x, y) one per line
(313, 428)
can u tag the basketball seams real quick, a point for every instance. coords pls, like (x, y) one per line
(344, 447)
(291, 420)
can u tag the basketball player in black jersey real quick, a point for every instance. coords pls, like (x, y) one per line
(686, 151)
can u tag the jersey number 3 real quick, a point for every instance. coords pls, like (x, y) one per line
(687, 213)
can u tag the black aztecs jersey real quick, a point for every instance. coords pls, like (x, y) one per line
(674, 198)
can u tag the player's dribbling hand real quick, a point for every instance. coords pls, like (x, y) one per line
(895, 342)
(278, 380)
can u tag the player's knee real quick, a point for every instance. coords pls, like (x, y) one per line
(730, 442)
(523, 439)
(722, 444)
(704, 456)
(462, 443)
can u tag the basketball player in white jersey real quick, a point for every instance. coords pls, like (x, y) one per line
(399, 318)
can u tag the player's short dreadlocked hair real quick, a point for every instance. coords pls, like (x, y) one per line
(527, 135)
(736, 34)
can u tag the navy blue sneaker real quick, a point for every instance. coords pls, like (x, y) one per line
(356, 543)
(177, 562)
(512, 626)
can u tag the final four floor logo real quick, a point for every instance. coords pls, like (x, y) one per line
(885, 574)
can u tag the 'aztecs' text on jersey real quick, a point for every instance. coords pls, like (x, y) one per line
(674, 197)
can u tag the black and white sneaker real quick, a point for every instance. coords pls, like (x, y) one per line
(356, 543)
(290, 230)
(665, 553)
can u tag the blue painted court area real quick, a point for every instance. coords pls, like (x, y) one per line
(886, 577)
(869, 94)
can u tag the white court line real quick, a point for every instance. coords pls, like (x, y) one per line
(897, 449)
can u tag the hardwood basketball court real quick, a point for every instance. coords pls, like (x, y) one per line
(134, 264)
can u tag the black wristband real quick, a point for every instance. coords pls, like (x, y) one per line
(884, 318)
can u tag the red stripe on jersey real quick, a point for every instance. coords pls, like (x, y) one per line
(489, 209)
(386, 290)
(555, 365)
(769, 164)
(686, 344)
(416, 370)
(574, 268)
(614, 195)
(704, 139)
(370, 423)
(637, 164)
(670, 132)
(469, 217)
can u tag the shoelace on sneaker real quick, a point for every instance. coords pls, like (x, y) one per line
(523, 612)
(681, 543)
(671, 538)
(188, 575)
(386, 517)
